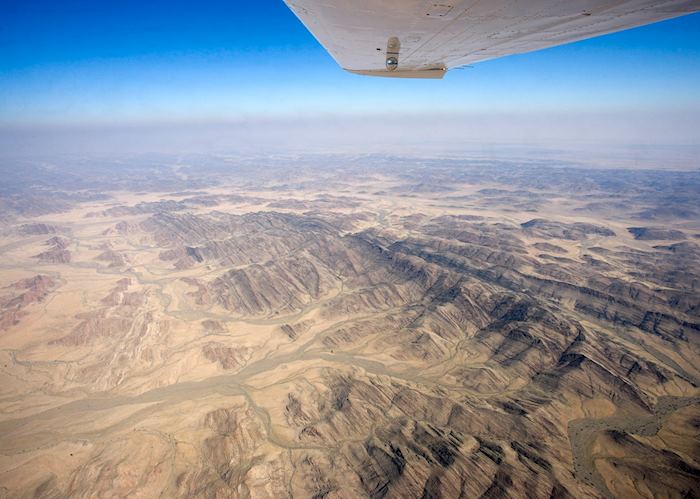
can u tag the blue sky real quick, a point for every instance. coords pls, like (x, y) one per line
(79, 61)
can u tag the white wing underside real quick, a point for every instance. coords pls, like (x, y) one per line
(436, 36)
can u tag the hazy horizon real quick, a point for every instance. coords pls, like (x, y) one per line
(669, 136)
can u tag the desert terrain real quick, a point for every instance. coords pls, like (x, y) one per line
(341, 326)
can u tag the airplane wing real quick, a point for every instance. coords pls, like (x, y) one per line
(423, 39)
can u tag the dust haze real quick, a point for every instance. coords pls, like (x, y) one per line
(655, 139)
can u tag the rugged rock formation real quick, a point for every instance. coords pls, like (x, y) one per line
(22, 294)
(58, 252)
(575, 231)
(653, 233)
(37, 229)
(359, 332)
